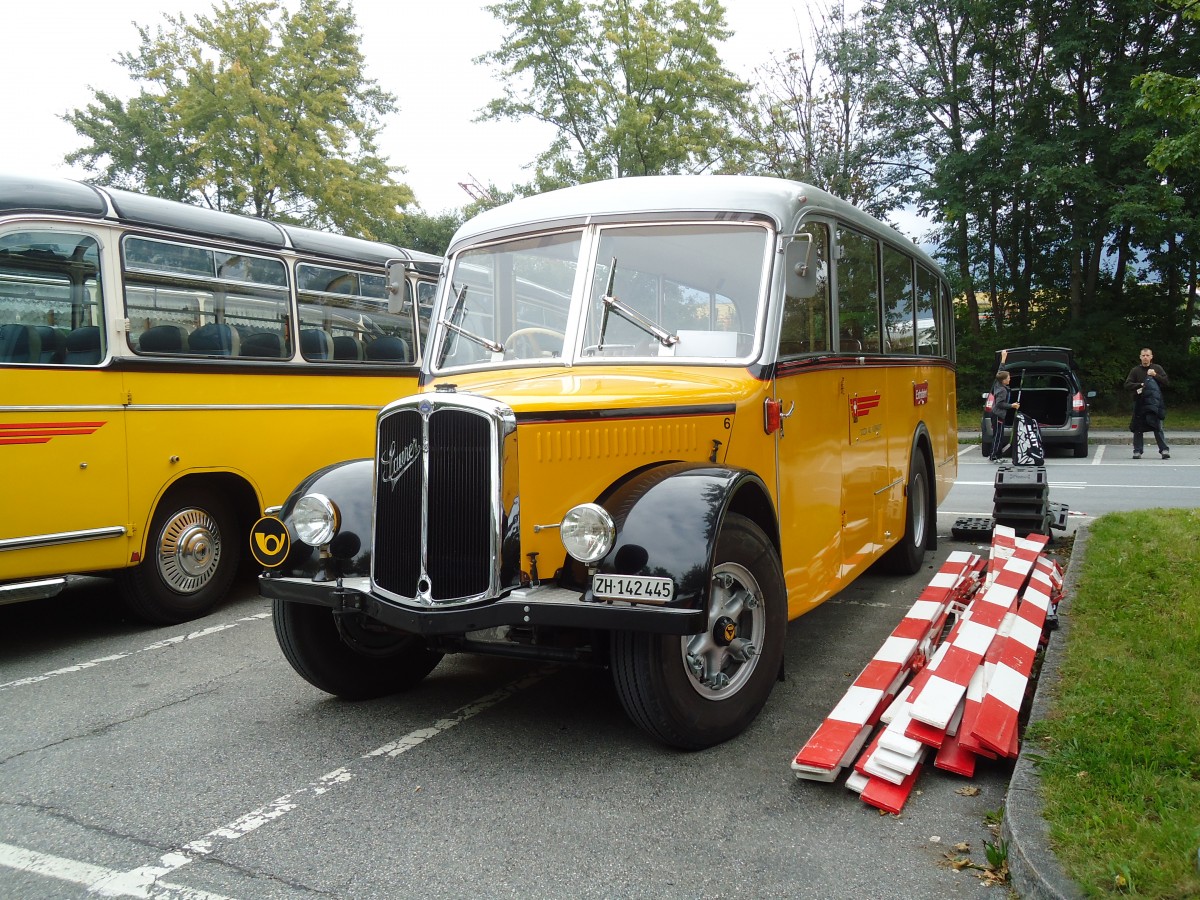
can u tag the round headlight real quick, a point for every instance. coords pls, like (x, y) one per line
(587, 531)
(316, 519)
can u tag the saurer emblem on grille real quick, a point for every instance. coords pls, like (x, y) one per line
(393, 464)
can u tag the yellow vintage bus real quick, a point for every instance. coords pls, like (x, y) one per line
(659, 418)
(167, 372)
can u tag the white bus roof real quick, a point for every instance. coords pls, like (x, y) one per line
(673, 196)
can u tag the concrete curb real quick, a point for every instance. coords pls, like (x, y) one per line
(1034, 869)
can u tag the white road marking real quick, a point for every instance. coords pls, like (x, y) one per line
(146, 881)
(89, 876)
(1098, 455)
(157, 645)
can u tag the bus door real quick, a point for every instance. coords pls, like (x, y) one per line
(62, 425)
(809, 442)
(859, 345)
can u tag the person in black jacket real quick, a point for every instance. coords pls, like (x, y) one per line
(1000, 408)
(1146, 380)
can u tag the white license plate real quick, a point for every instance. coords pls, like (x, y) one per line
(635, 588)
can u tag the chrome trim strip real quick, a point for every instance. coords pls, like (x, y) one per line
(888, 487)
(63, 537)
(41, 589)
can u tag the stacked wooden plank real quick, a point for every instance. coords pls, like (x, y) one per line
(959, 696)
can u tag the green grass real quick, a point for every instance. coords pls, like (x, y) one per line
(1180, 419)
(1120, 751)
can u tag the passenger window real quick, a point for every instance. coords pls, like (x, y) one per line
(200, 301)
(898, 302)
(805, 327)
(858, 292)
(928, 334)
(344, 317)
(50, 303)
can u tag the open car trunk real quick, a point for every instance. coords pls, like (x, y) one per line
(1045, 397)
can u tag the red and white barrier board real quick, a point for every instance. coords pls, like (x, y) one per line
(961, 696)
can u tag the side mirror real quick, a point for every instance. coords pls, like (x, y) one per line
(800, 271)
(397, 282)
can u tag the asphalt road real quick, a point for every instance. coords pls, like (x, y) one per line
(195, 756)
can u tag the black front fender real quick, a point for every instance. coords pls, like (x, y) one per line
(668, 519)
(348, 485)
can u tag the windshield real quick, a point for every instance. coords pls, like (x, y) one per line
(688, 291)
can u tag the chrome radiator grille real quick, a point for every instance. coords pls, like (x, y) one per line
(437, 507)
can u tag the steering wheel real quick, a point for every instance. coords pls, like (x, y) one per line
(530, 343)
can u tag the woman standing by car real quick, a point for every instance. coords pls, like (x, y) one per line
(1000, 408)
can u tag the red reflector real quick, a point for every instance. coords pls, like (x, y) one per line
(136, 557)
(771, 415)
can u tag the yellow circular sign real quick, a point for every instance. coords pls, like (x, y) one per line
(269, 542)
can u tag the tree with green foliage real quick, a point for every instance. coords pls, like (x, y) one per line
(632, 87)
(255, 110)
(811, 116)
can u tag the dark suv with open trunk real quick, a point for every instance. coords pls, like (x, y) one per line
(1047, 384)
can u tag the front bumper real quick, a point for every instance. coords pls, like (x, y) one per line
(544, 606)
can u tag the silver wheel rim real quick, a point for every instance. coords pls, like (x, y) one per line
(189, 550)
(919, 499)
(718, 665)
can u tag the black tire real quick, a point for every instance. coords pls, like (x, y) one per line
(1080, 449)
(358, 661)
(908, 555)
(193, 552)
(693, 692)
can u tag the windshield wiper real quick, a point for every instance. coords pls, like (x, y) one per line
(629, 314)
(450, 322)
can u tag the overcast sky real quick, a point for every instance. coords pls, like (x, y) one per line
(422, 52)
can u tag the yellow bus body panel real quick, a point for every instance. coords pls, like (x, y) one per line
(838, 486)
(267, 430)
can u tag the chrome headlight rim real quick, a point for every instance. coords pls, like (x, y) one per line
(588, 533)
(316, 519)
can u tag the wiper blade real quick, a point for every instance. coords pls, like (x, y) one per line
(451, 322)
(629, 314)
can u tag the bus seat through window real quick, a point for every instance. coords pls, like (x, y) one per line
(393, 349)
(19, 343)
(263, 343)
(84, 347)
(164, 339)
(316, 344)
(54, 344)
(346, 347)
(215, 339)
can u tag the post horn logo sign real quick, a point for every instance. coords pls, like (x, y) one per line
(861, 406)
(269, 542)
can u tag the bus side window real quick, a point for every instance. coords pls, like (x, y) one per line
(898, 303)
(344, 318)
(805, 327)
(50, 299)
(858, 292)
(187, 299)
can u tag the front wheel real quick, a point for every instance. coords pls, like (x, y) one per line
(354, 658)
(192, 555)
(696, 691)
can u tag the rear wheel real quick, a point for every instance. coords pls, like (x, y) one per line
(192, 555)
(1080, 449)
(907, 556)
(696, 691)
(354, 658)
